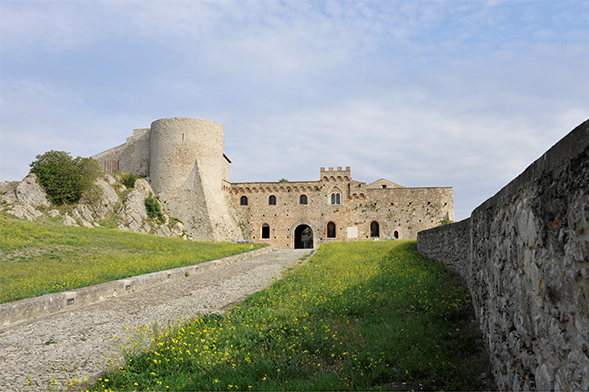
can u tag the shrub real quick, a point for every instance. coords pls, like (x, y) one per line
(154, 210)
(65, 179)
(128, 179)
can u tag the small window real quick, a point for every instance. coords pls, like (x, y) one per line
(331, 230)
(374, 229)
(336, 198)
(272, 200)
(396, 235)
(384, 186)
(265, 231)
(243, 201)
(303, 199)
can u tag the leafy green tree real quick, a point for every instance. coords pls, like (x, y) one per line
(65, 179)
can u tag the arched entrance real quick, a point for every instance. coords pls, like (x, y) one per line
(303, 237)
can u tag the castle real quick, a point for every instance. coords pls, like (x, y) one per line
(184, 161)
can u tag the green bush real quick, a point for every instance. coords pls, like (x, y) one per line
(128, 179)
(65, 179)
(154, 211)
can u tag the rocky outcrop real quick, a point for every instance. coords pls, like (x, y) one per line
(25, 211)
(98, 205)
(25, 197)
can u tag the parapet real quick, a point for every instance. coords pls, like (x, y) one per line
(336, 175)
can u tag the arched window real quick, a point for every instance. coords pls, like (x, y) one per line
(374, 229)
(396, 235)
(265, 231)
(303, 199)
(336, 198)
(272, 200)
(243, 201)
(331, 230)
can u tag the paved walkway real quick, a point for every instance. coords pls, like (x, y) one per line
(83, 338)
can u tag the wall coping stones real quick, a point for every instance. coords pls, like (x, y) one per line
(29, 309)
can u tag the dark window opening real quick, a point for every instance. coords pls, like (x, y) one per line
(374, 229)
(384, 186)
(243, 201)
(265, 231)
(331, 230)
(272, 200)
(303, 199)
(396, 234)
(336, 198)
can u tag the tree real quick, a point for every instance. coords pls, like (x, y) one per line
(65, 179)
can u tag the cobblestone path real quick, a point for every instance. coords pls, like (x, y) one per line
(77, 344)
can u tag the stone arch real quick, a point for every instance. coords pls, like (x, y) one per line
(243, 201)
(339, 178)
(335, 195)
(301, 225)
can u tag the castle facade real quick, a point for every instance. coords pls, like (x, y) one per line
(184, 161)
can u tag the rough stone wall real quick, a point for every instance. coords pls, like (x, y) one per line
(527, 269)
(131, 157)
(401, 211)
(187, 170)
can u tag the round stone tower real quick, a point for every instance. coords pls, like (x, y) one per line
(187, 168)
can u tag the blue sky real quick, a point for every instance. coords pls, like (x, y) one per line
(423, 93)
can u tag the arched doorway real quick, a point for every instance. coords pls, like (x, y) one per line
(303, 237)
(374, 229)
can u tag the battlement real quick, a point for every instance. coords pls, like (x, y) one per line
(336, 175)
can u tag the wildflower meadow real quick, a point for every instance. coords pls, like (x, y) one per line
(37, 258)
(356, 316)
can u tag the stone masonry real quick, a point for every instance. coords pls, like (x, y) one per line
(524, 254)
(184, 162)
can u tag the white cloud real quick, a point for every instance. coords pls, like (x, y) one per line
(423, 93)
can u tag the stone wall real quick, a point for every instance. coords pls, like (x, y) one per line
(131, 157)
(525, 256)
(187, 171)
(398, 211)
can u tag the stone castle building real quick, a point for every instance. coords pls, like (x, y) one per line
(184, 161)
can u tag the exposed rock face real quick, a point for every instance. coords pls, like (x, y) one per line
(25, 211)
(68, 220)
(27, 192)
(97, 205)
(134, 212)
(100, 202)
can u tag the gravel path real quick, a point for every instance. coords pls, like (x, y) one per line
(77, 344)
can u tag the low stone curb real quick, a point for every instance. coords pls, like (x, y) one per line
(21, 311)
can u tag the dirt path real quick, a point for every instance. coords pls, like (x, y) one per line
(77, 344)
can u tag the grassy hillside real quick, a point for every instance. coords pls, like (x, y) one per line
(358, 316)
(44, 257)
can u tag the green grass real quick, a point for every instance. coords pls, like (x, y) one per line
(43, 257)
(357, 316)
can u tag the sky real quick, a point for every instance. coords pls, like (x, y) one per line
(423, 93)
